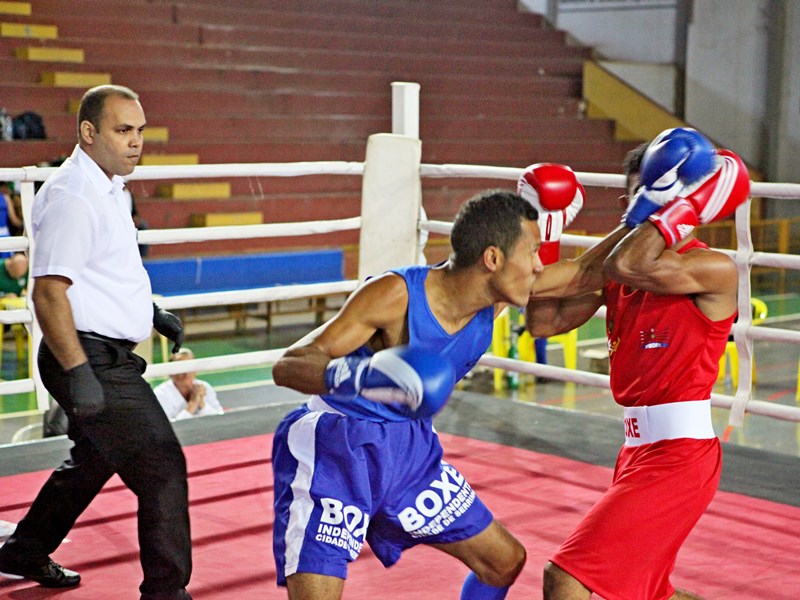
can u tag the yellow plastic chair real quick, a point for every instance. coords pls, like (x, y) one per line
(797, 394)
(731, 355)
(501, 340)
(568, 342)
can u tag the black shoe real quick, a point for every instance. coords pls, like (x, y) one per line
(49, 574)
(179, 595)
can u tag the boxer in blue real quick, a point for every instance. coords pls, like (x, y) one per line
(361, 460)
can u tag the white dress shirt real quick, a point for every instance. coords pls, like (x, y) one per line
(174, 404)
(82, 230)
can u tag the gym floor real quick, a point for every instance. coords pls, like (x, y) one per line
(776, 380)
(556, 441)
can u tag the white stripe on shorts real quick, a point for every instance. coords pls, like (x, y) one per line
(301, 442)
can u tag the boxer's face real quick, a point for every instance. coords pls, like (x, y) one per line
(522, 266)
(632, 184)
(183, 381)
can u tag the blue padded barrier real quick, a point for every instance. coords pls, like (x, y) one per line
(178, 276)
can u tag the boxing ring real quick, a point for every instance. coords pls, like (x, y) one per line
(392, 175)
(392, 193)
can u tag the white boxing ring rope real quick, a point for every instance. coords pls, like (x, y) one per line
(743, 331)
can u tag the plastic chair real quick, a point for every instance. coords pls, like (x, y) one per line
(500, 343)
(797, 393)
(501, 340)
(27, 433)
(568, 342)
(731, 355)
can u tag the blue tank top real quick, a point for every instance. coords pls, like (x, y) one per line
(462, 349)
(4, 230)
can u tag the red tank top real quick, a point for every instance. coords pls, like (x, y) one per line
(662, 348)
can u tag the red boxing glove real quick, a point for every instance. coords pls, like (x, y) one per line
(675, 221)
(718, 197)
(555, 193)
(711, 200)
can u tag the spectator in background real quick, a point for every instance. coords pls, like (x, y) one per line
(10, 222)
(138, 221)
(14, 275)
(54, 421)
(183, 396)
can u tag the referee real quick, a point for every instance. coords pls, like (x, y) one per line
(93, 300)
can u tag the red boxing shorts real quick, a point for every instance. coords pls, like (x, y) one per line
(626, 545)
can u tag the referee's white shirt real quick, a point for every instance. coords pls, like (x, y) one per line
(83, 230)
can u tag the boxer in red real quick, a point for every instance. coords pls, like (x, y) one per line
(670, 302)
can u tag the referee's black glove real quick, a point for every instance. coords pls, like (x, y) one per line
(168, 325)
(85, 391)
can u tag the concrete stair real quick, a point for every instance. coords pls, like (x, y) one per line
(270, 81)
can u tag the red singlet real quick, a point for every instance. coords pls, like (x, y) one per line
(662, 349)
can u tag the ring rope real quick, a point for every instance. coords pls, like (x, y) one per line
(269, 294)
(772, 190)
(241, 232)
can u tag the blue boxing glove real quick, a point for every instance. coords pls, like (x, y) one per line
(677, 158)
(417, 378)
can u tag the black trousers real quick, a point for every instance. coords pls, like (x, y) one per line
(131, 437)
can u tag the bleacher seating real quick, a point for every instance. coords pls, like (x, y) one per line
(270, 81)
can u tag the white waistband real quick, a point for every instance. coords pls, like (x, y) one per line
(648, 424)
(317, 404)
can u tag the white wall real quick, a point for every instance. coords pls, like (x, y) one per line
(731, 89)
(644, 31)
(726, 73)
(656, 81)
(785, 119)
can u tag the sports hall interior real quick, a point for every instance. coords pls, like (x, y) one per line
(268, 81)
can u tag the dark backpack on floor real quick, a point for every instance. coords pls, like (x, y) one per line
(29, 126)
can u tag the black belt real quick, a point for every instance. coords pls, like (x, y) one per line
(127, 344)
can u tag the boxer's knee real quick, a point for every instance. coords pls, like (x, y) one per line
(560, 585)
(505, 567)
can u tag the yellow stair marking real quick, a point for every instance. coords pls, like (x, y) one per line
(158, 135)
(24, 30)
(50, 54)
(220, 219)
(169, 159)
(15, 8)
(74, 79)
(194, 191)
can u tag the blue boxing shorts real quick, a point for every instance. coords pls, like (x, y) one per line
(341, 480)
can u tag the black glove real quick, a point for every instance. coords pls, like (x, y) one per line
(85, 391)
(168, 325)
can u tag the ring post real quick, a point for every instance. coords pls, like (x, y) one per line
(405, 108)
(391, 196)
